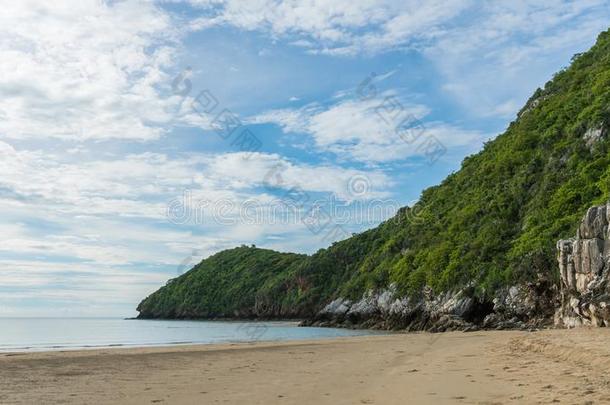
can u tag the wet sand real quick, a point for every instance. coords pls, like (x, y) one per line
(555, 366)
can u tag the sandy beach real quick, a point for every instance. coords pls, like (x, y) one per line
(565, 366)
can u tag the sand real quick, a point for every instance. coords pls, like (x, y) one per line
(565, 366)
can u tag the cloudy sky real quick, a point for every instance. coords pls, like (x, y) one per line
(137, 137)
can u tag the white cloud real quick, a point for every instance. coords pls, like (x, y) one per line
(84, 69)
(112, 187)
(361, 121)
(140, 185)
(346, 27)
(264, 170)
(370, 130)
(338, 27)
(89, 289)
(472, 44)
(493, 63)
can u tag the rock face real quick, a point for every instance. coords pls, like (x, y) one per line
(383, 310)
(526, 306)
(583, 299)
(584, 265)
(593, 136)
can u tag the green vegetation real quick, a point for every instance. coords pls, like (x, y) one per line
(229, 283)
(493, 223)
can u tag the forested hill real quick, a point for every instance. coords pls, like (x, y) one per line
(492, 224)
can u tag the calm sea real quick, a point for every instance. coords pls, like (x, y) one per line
(35, 334)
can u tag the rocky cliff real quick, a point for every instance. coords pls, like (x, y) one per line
(525, 306)
(583, 297)
(584, 267)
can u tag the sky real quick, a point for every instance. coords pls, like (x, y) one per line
(138, 137)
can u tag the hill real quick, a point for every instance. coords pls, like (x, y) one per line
(487, 232)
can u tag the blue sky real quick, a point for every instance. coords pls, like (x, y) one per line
(321, 119)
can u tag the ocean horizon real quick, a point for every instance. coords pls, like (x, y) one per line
(29, 334)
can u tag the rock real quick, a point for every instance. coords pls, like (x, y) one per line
(338, 307)
(384, 310)
(515, 301)
(384, 300)
(532, 104)
(526, 305)
(472, 328)
(454, 303)
(584, 267)
(592, 136)
(594, 224)
(567, 273)
(364, 308)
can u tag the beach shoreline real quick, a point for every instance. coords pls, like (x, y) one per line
(455, 367)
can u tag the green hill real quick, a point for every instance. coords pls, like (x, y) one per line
(233, 283)
(491, 225)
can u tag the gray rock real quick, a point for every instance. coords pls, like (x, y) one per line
(584, 268)
(594, 224)
(385, 300)
(366, 307)
(383, 309)
(452, 303)
(593, 136)
(338, 307)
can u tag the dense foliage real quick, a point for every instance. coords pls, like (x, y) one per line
(493, 223)
(224, 285)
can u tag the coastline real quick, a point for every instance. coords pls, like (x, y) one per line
(22, 335)
(453, 367)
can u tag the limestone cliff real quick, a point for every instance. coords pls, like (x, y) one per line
(525, 306)
(584, 265)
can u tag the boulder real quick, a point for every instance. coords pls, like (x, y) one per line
(338, 307)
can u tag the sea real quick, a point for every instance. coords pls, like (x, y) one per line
(43, 334)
